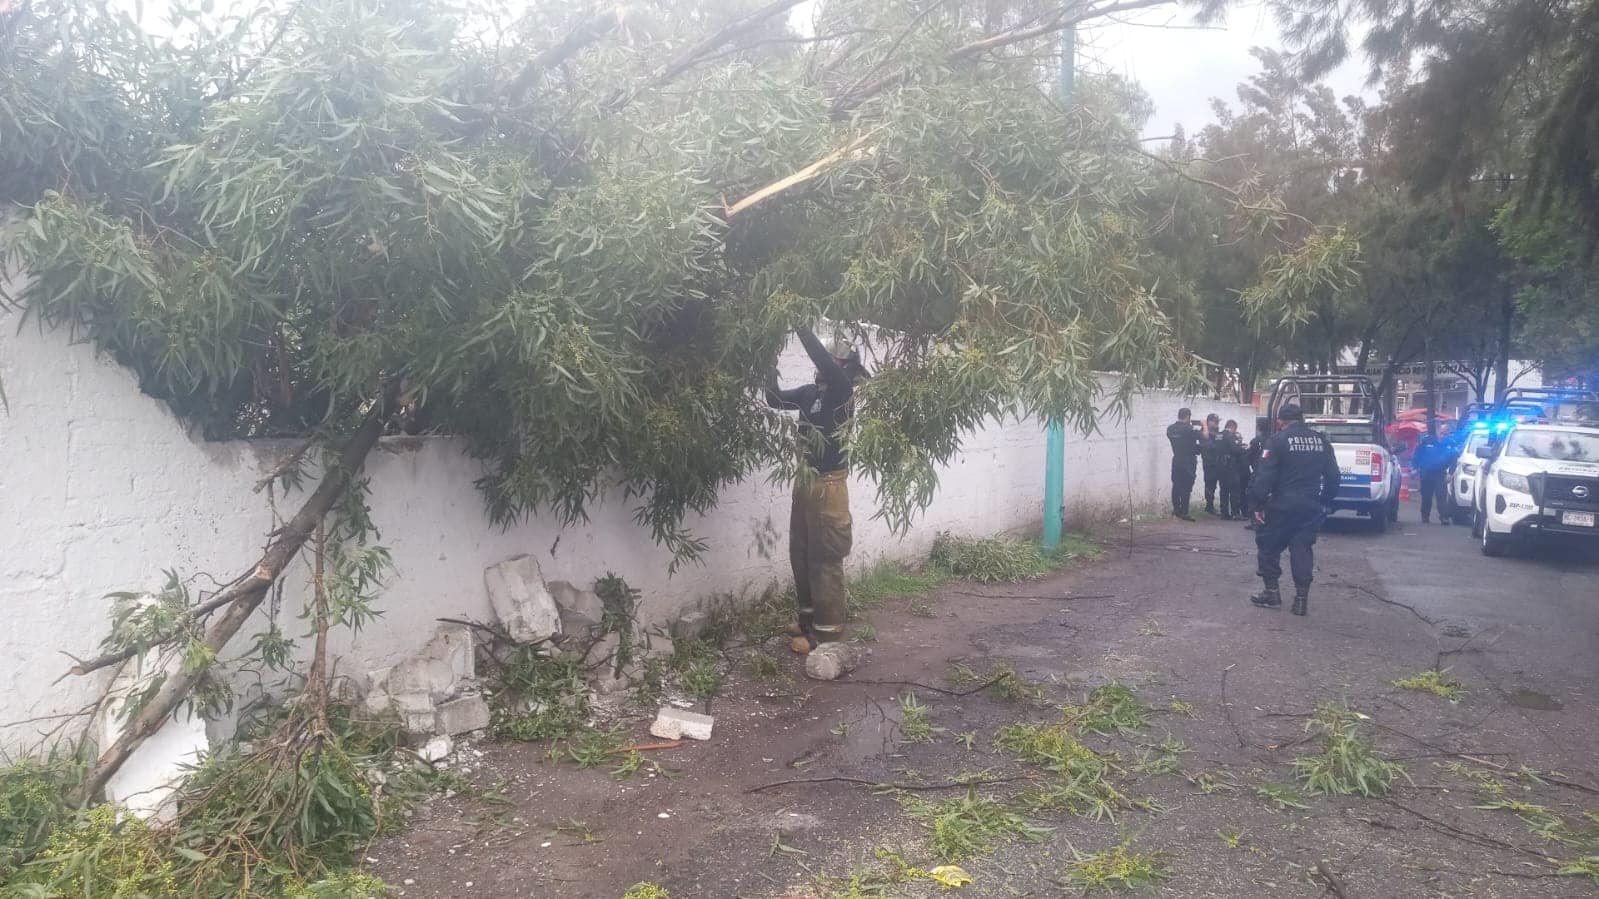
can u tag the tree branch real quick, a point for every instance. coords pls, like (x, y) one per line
(245, 595)
(580, 37)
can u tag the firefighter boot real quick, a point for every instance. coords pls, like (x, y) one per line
(1301, 598)
(1269, 597)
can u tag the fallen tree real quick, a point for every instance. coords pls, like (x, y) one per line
(277, 220)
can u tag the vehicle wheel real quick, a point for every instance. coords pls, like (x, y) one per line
(1493, 544)
(1393, 509)
(1379, 520)
(1476, 523)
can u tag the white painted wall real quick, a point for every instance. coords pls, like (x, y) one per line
(102, 489)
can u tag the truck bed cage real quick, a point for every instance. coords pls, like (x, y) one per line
(1552, 403)
(1331, 396)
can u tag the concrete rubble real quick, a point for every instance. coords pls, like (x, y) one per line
(435, 692)
(521, 600)
(680, 724)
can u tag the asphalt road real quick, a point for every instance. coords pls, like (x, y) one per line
(781, 799)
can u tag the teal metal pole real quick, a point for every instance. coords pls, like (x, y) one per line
(1055, 431)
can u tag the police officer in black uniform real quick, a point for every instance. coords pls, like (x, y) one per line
(1297, 481)
(1251, 465)
(1184, 439)
(1213, 455)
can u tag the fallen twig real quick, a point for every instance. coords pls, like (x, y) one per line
(877, 784)
(1479, 839)
(1334, 883)
(911, 683)
(646, 747)
(1227, 708)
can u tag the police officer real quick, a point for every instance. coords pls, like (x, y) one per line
(1184, 439)
(1232, 476)
(1432, 458)
(1297, 481)
(1213, 454)
(1251, 465)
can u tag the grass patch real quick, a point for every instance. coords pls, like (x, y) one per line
(1438, 683)
(1111, 708)
(540, 697)
(763, 666)
(915, 722)
(970, 825)
(698, 664)
(1118, 868)
(646, 891)
(886, 582)
(989, 560)
(1347, 764)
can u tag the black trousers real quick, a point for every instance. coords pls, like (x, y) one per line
(1432, 488)
(1182, 486)
(1292, 528)
(1244, 477)
(1232, 495)
(1212, 481)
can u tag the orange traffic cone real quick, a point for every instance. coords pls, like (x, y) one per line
(1404, 486)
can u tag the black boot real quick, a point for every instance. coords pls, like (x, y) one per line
(1301, 598)
(1268, 597)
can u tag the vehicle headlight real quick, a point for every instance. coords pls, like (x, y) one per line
(1512, 481)
(1468, 468)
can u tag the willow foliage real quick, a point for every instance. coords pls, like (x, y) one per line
(526, 217)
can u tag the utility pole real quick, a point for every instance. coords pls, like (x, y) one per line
(1055, 431)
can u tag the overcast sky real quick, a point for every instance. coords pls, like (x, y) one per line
(1182, 67)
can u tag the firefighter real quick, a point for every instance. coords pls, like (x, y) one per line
(1291, 493)
(820, 531)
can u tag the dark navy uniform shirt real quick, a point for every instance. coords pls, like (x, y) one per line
(1297, 469)
(1184, 442)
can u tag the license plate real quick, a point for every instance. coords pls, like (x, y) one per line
(1577, 519)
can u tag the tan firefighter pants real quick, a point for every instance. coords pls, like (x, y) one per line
(820, 534)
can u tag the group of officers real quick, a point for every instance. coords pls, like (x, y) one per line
(1283, 482)
(1228, 463)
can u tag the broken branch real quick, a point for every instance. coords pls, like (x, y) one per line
(246, 595)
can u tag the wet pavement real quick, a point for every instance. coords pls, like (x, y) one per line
(1165, 613)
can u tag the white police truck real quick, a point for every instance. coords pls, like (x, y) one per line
(1348, 410)
(1541, 479)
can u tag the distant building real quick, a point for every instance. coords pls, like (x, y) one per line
(1454, 391)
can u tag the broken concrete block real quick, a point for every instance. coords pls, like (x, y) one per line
(436, 750)
(689, 624)
(422, 674)
(657, 645)
(453, 645)
(679, 724)
(830, 661)
(581, 610)
(521, 600)
(459, 716)
(417, 712)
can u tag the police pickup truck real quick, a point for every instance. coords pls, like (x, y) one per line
(1348, 410)
(1542, 479)
(1480, 425)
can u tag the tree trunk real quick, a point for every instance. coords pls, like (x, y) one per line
(247, 593)
(1507, 315)
(1432, 387)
